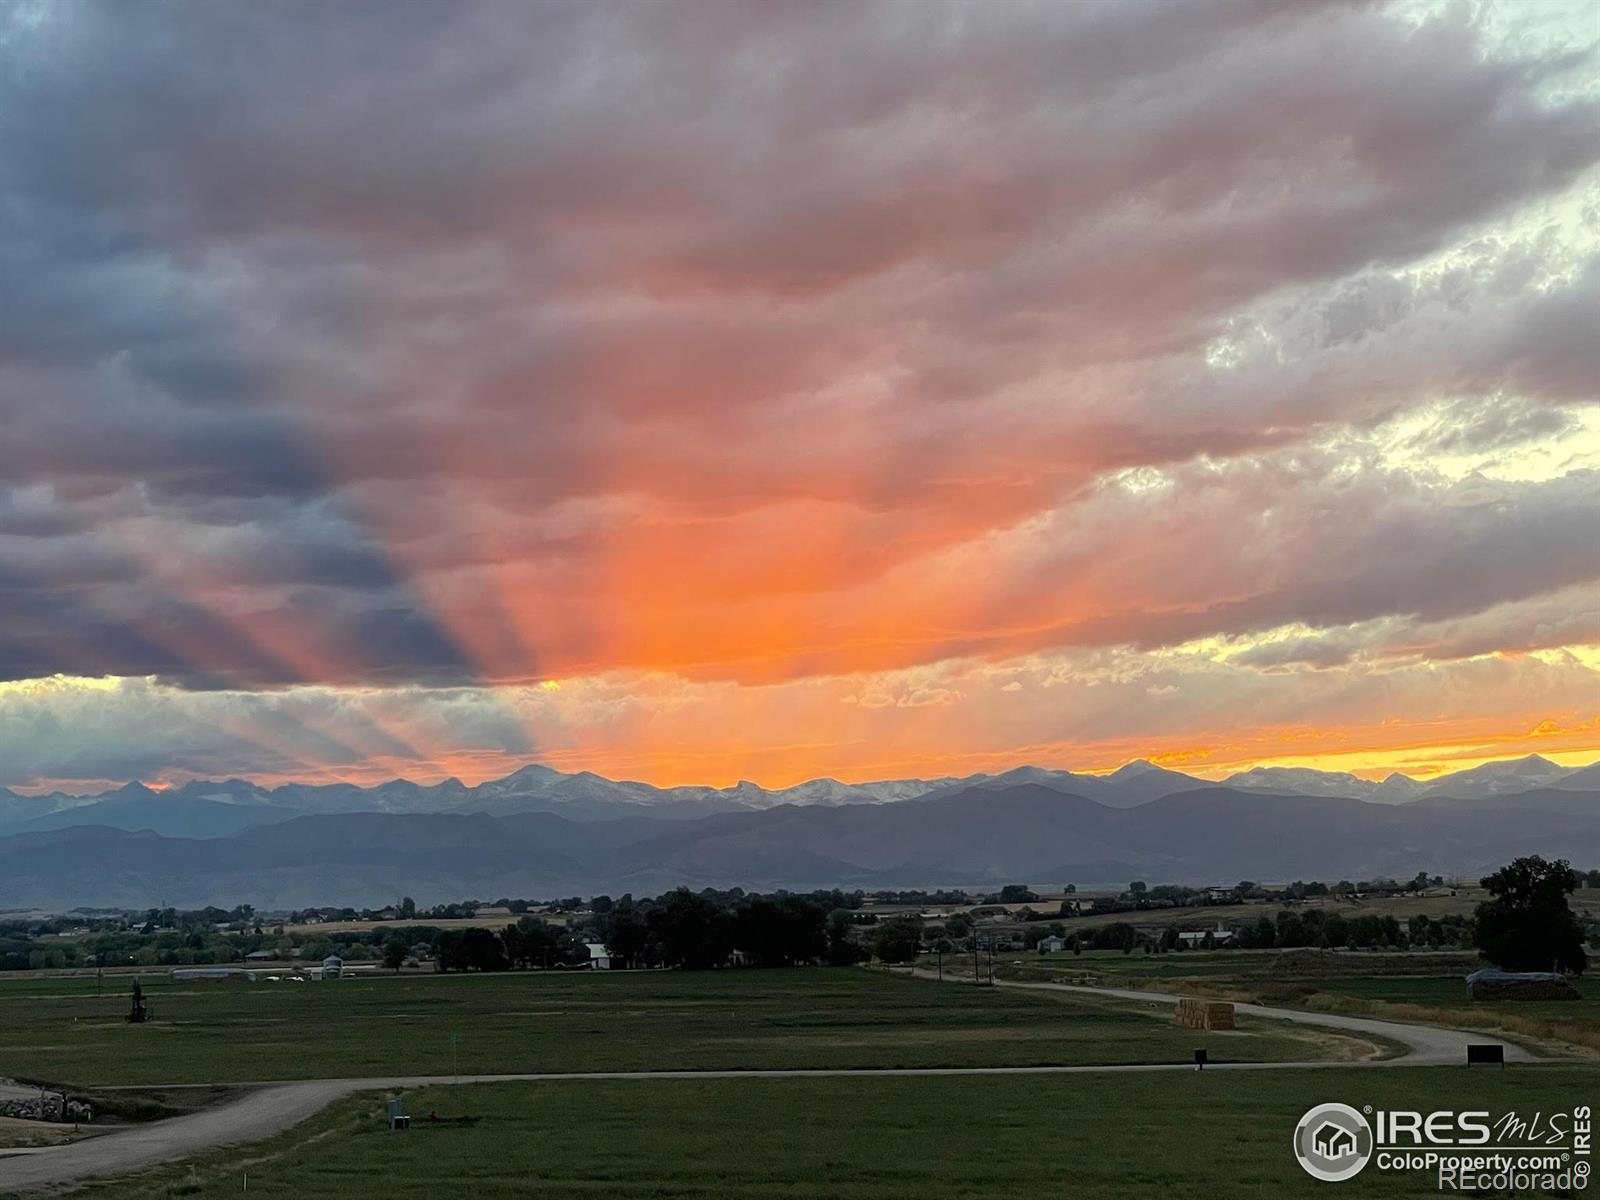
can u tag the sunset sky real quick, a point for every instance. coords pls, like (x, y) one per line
(692, 392)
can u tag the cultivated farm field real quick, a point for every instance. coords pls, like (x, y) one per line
(58, 1030)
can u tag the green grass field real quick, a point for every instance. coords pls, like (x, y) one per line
(1252, 965)
(1124, 970)
(1451, 993)
(1182, 1136)
(57, 1030)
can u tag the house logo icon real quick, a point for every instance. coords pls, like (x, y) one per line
(1333, 1142)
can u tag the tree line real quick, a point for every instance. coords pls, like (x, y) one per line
(1526, 924)
(679, 929)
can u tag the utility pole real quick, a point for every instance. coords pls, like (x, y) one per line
(940, 953)
(977, 979)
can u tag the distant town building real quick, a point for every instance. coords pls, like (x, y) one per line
(1194, 939)
(998, 941)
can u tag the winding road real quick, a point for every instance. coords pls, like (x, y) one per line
(270, 1108)
(1425, 1045)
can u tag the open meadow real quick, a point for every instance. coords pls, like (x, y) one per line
(58, 1030)
(1181, 1136)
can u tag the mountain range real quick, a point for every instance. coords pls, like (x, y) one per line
(210, 808)
(539, 832)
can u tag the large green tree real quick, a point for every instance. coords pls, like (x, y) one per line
(531, 942)
(692, 930)
(779, 932)
(842, 949)
(898, 940)
(1528, 925)
(625, 932)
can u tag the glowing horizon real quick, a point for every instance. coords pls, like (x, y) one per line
(1470, 747)
(373, 775)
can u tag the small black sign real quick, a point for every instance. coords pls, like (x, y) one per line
(1485, 1052)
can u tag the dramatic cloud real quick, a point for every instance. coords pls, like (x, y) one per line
(364, 367)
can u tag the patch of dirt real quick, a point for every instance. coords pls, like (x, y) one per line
(136, 1105)
(16, 1133)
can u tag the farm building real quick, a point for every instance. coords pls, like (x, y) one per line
(599, 956)
(1052, 944)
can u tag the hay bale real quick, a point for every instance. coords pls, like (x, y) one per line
(1219, 1015)
(1196, 1013)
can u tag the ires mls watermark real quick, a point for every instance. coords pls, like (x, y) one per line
(1471, 1150)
